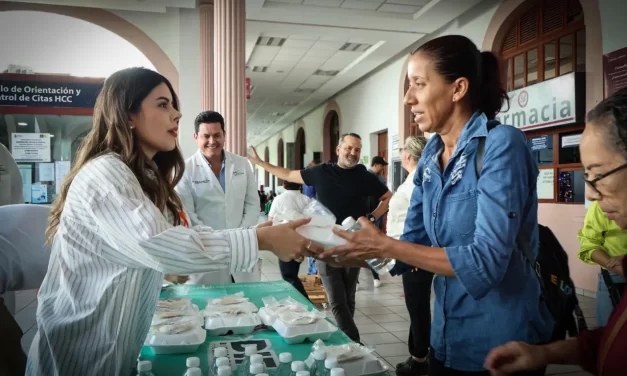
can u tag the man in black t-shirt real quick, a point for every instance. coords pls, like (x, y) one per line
(344, 188)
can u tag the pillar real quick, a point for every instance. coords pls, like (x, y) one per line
(206, 55)
(230, 70)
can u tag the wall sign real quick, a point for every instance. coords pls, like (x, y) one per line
(539, 143)
(615, 71)
(546, 184)
(30, 147)
(48, 94)
(551, 103)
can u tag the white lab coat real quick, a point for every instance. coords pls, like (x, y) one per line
(10, 193)
(207, 204)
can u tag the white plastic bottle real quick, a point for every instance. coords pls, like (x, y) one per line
(194, 371)
(144, 368)
(329, 364)
(255, 369)
(337, 372)
(381, 266)
(302, 373)
(317, 368)
(218, 352)
(224, 371)
(222, 362)
(244, 368)
(192, 362)
(297, 366)
(285, 366)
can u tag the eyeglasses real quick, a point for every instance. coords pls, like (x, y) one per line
(593, 183)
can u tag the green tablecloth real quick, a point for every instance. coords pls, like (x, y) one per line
(172, 365)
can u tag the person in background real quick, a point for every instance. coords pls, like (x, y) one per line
(376, 167)
(343, 188)
(416, 282)
(601, 351)
(310, 191)
(12, 358)
(218, 189)
(466, 229)
(291, 199)
(603, 242)
(118, 225)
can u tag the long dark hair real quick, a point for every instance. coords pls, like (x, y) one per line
(612, 113)
(121, 97)
(456, 56)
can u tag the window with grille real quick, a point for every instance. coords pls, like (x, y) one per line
(549, 40)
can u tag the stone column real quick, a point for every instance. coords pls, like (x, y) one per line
(230, 70)
(206, 55)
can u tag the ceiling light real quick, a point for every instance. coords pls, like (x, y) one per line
(22, 124)
(260, 69)
(280, 71)
(328, 73)
(277, 114)
(270, 41)
(289, 104)
(355, 47)
(304, 90)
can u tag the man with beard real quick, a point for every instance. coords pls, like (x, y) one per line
(218, 190)
(344, 189)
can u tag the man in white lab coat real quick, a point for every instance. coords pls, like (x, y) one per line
(218, 190)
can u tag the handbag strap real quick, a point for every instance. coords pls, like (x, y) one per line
(610, 340)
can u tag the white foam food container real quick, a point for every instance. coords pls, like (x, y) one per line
(244, 323)
(321, 235)
(320, 329)
(228, 310)
(182, 343)
(367, 365)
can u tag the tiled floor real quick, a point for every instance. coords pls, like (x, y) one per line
(381, 317)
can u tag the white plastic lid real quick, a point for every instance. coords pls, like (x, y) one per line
(348, 222)
(285, 357)
(302, 373)
(192, 362)
(298, 366)
(222, 362)
(330, 363)
(219, 352)
(250, 350)
(256, 368)
(224, 371)
(337, 372)
(320, 355)
(194, 371)
(256, 358)
(144, 366)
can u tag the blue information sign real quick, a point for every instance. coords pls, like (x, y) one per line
(539, 143)
(48, 94)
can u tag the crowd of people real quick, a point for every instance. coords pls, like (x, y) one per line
(133, 210)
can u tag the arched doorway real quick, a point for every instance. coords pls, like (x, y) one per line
(299, 149)
(266, 174)
(332, 136)
(280, 157)
(113, 23)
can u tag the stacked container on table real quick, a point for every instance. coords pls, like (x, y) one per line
(176, 327)
(233, 313)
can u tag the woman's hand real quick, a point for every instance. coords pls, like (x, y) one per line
(254, 157)
(514, 357)
(615, 261)
(176, 279)
(365, 244)
(286, 243)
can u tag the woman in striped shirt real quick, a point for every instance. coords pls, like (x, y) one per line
(117, 226)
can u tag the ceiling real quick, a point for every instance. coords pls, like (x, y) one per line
(300, 53)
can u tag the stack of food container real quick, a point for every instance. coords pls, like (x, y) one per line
(176, 327)
(233, 313)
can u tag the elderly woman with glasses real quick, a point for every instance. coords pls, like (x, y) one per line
(604, 156)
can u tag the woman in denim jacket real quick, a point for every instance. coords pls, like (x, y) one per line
(463, 227)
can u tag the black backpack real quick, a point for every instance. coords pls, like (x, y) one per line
(551, 266)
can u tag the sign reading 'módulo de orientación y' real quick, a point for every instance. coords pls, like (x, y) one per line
(551, 103)
(48, 94)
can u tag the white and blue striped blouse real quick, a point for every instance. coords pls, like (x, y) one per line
(111, 250)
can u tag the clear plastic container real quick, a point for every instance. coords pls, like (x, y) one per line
(297, 366)
(285, 366)
(144, 368)
(225, 371)
(256, 368)
(381, 266)
(194, 371)
(317, 369)
(329, 364)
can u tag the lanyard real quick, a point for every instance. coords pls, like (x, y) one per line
(183, 218)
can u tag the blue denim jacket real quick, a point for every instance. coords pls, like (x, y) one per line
(495, 296)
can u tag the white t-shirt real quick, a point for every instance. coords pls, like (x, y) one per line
(289, 200)
(399, 204)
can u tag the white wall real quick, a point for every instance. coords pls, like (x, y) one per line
(177, 32)
(371, 105)
(613, 24)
